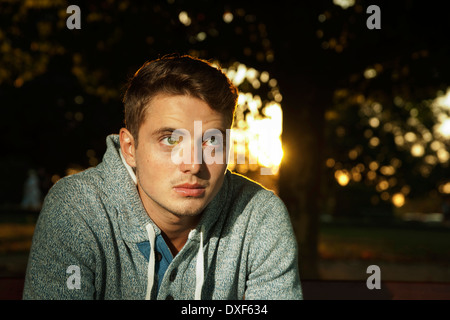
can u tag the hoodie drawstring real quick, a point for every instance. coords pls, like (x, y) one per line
(199, 268)
(151, 261)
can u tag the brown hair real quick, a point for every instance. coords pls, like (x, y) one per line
(177, 75)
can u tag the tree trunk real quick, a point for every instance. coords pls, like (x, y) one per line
(302, 167)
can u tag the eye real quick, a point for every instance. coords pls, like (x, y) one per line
(171, 140)
(212, 141)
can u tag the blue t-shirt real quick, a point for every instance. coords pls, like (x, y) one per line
(163, 256)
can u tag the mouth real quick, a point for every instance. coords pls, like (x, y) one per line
(190, 190)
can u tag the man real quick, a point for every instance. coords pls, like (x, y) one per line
(158, 219)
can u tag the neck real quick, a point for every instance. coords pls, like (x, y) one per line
(175, 229)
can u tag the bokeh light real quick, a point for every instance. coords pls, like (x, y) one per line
(258, 124)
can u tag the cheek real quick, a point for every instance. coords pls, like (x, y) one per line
(217, 171)
(217, 178)
(153, 164)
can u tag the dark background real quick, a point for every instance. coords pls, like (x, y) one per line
(60, 96)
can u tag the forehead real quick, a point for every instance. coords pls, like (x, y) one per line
(180, 111)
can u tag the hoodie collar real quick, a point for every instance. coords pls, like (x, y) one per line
(123, 195)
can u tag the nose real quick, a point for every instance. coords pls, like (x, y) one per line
(194, 164)
(192, 168)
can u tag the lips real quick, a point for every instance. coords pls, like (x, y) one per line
(190, 190)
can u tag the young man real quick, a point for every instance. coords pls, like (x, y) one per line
(158, 219)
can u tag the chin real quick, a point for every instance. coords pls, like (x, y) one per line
(186, 213)
(186, 208)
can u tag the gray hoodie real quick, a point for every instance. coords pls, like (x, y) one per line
(93, 240)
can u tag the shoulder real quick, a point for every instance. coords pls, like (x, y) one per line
(74, 188)
(251, 190)
(75, 197)
(261, 216)
(251, 198)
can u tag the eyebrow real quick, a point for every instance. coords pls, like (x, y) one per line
(170, 130)
(162, 131)
(222, 131)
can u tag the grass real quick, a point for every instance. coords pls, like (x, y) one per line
(16, 231)
(401, 243)
(15, 237)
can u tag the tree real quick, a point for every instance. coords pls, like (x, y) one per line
(330, 69)
(323, 50)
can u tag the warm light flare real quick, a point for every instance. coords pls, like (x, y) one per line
(444, 128)
(258, 125)
(398, 200)
(344, 4)
(342, 177)
(440, 108)
(445, 188)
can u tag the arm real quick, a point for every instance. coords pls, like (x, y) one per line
(273, 268)
(61, 262)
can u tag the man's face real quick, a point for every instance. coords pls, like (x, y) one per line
(175, 125)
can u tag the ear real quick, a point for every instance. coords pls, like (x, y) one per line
(127, 146)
